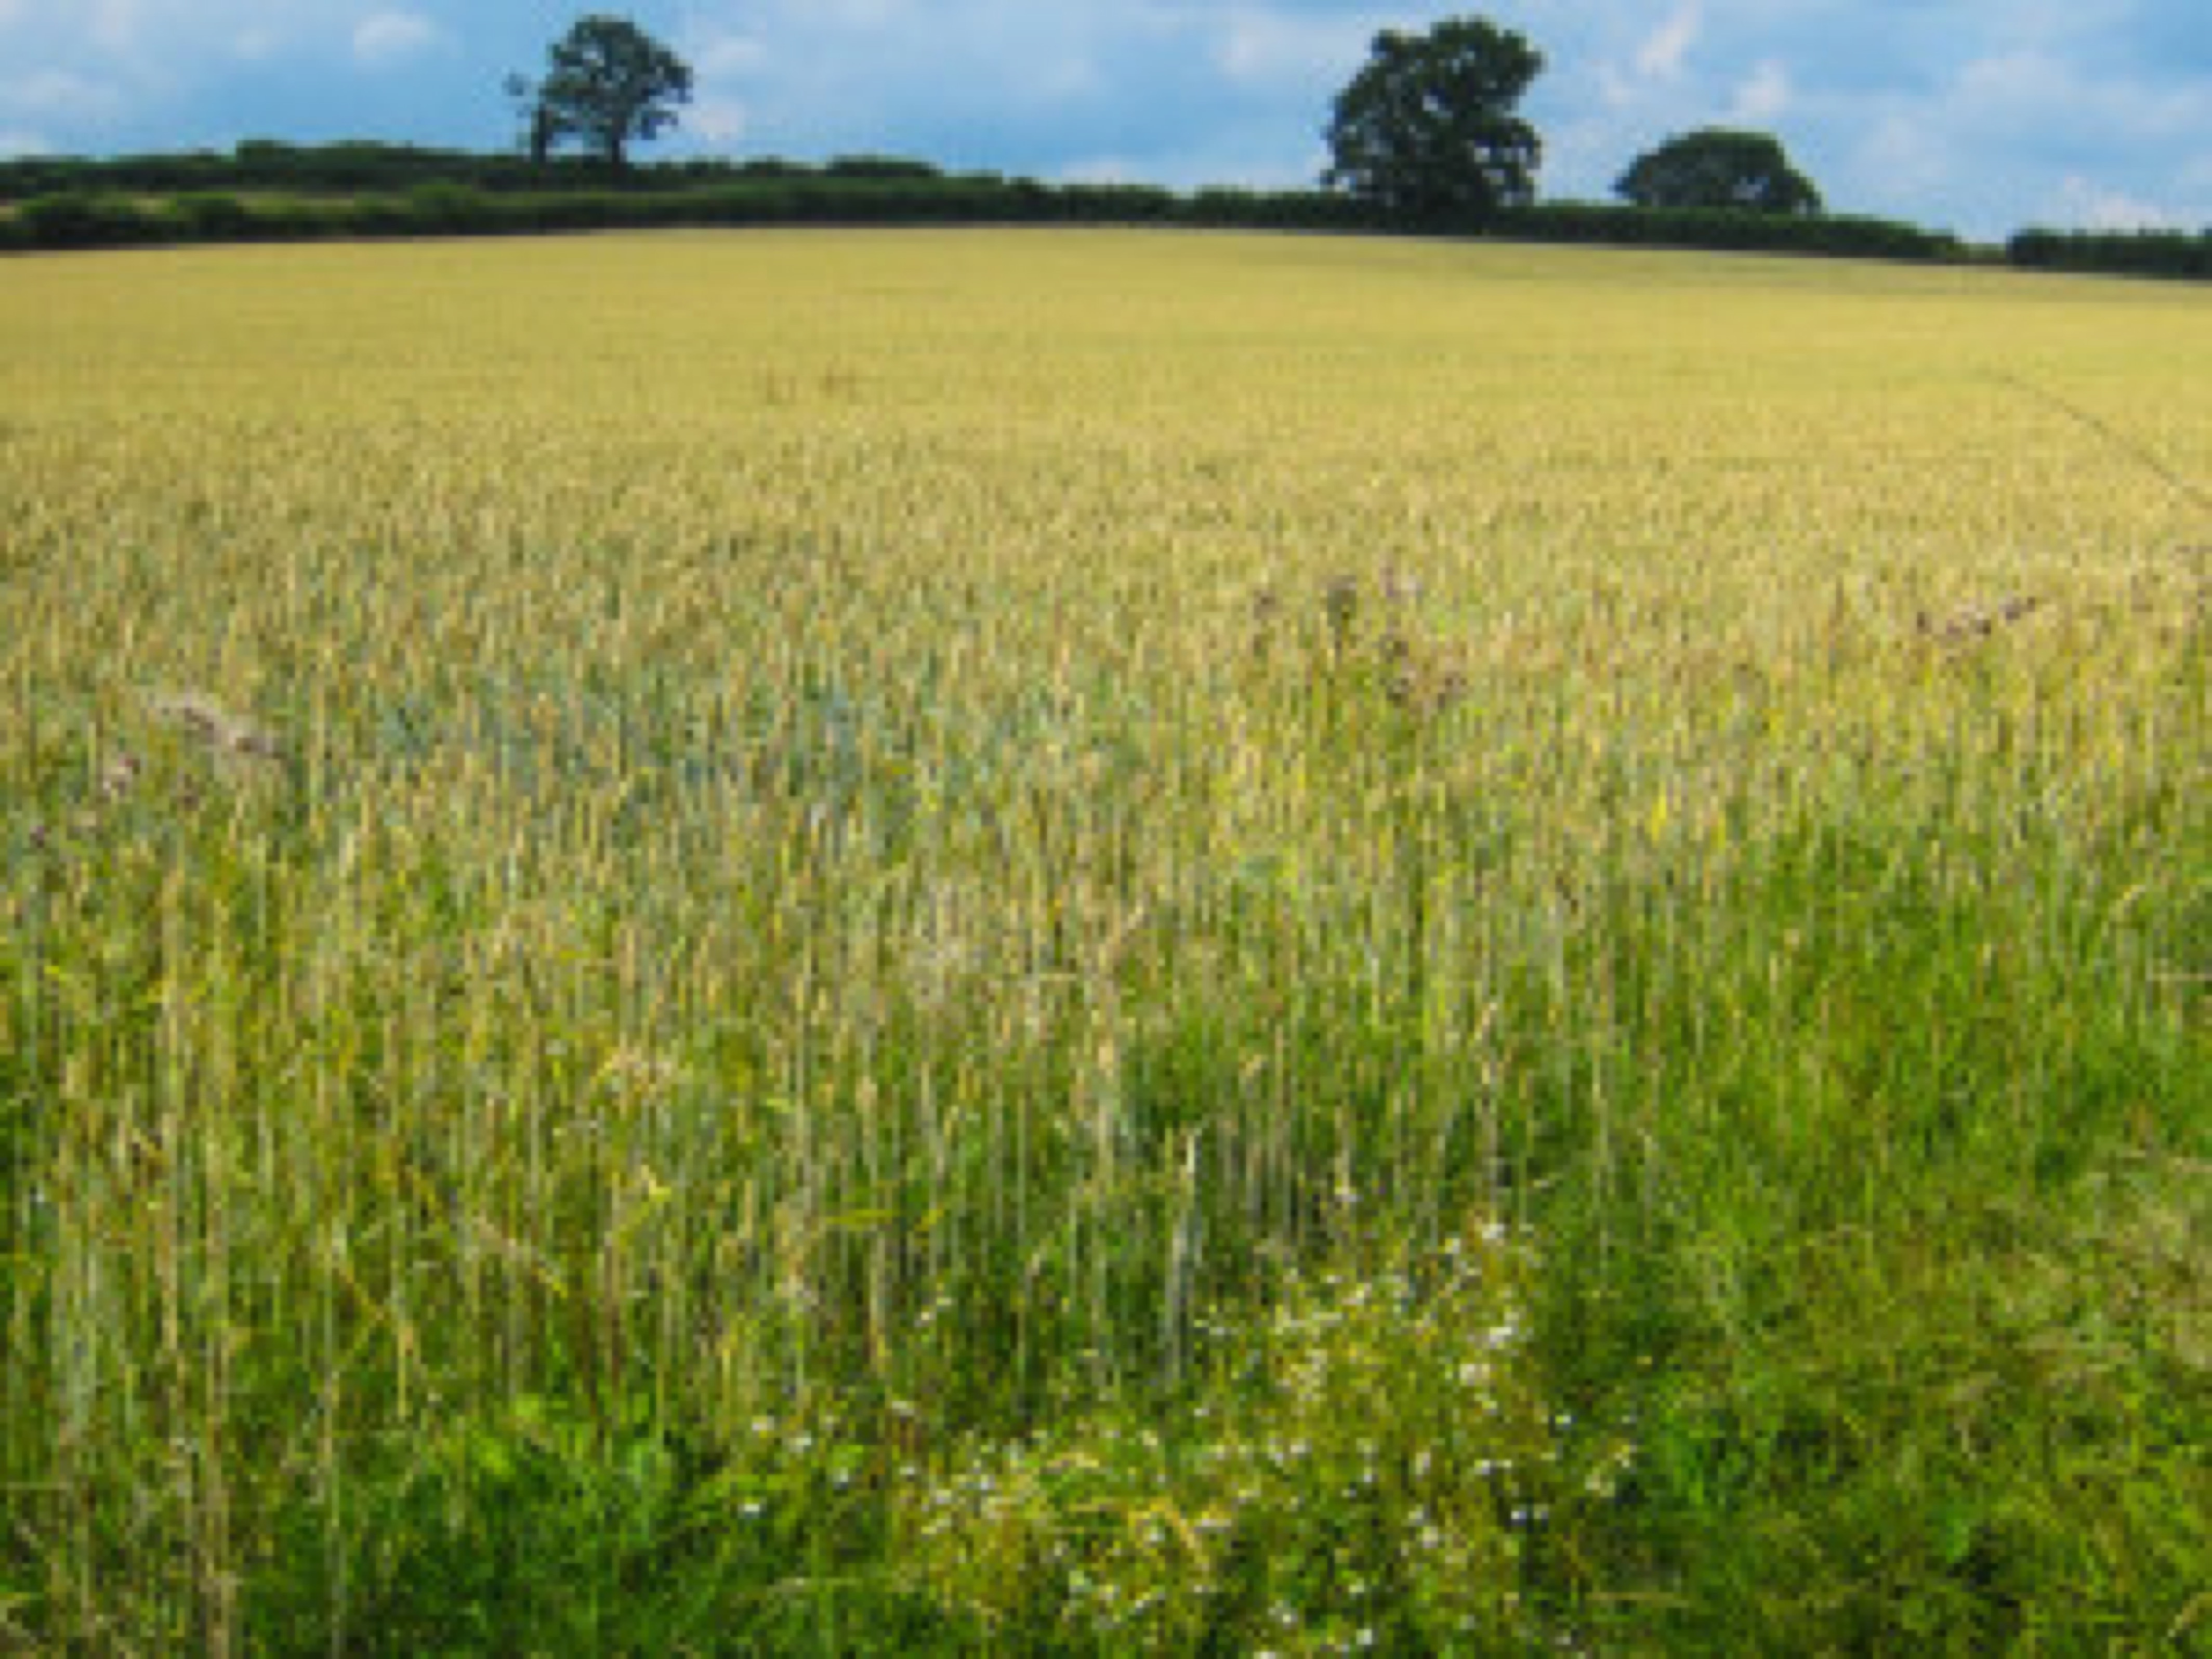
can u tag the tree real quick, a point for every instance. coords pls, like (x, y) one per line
(607, 82)
(1715, 168)
(541, 130)
(1427, 130)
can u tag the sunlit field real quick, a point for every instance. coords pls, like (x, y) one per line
(1092, 942)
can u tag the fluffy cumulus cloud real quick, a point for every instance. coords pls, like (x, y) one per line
(1664, 50)
(1764, 96)
(385, 39)
(1982, 116)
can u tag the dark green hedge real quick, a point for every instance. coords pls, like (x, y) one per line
(2136, 253)
(876, 193)
(363, 168)
(265, 191)
(1286, 210)
(1833, 236)
(93, 222)
(447, 208)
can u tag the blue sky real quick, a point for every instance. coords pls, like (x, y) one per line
(1979, 115)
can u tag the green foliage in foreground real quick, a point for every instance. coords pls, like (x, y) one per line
(1860, 1164)
(1366, 1465)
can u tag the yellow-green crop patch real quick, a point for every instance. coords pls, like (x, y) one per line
(668, 898)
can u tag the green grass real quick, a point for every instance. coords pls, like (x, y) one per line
(854, 1024)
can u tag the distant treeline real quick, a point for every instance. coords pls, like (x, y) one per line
(81, 220)
(266, 191)
(2135, 253)
(364, 167)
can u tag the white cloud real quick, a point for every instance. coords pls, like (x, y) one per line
(61, 95)
(1259, 45)
(2028, 95)
(387, 37)
(1660, 56)
(721, 122)
(1105, 170)
(2013, 82)
(1903, 150)
(2083, 201)
(1648, 73)
(1765, 94)
(850, 14)
(727, 57)
(24, 144)
(118, 25)
(1064, 79)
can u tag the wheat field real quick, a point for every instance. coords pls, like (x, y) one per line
(1096, 941)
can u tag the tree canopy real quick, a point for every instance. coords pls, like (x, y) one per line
(1428, 132)
(607, 82)
(1716, 168)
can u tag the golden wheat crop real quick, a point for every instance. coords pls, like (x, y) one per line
(667, 814)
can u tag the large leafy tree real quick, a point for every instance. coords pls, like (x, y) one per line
(540, 131)
(1716, 168)
(1428, 132)
(607, 82)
